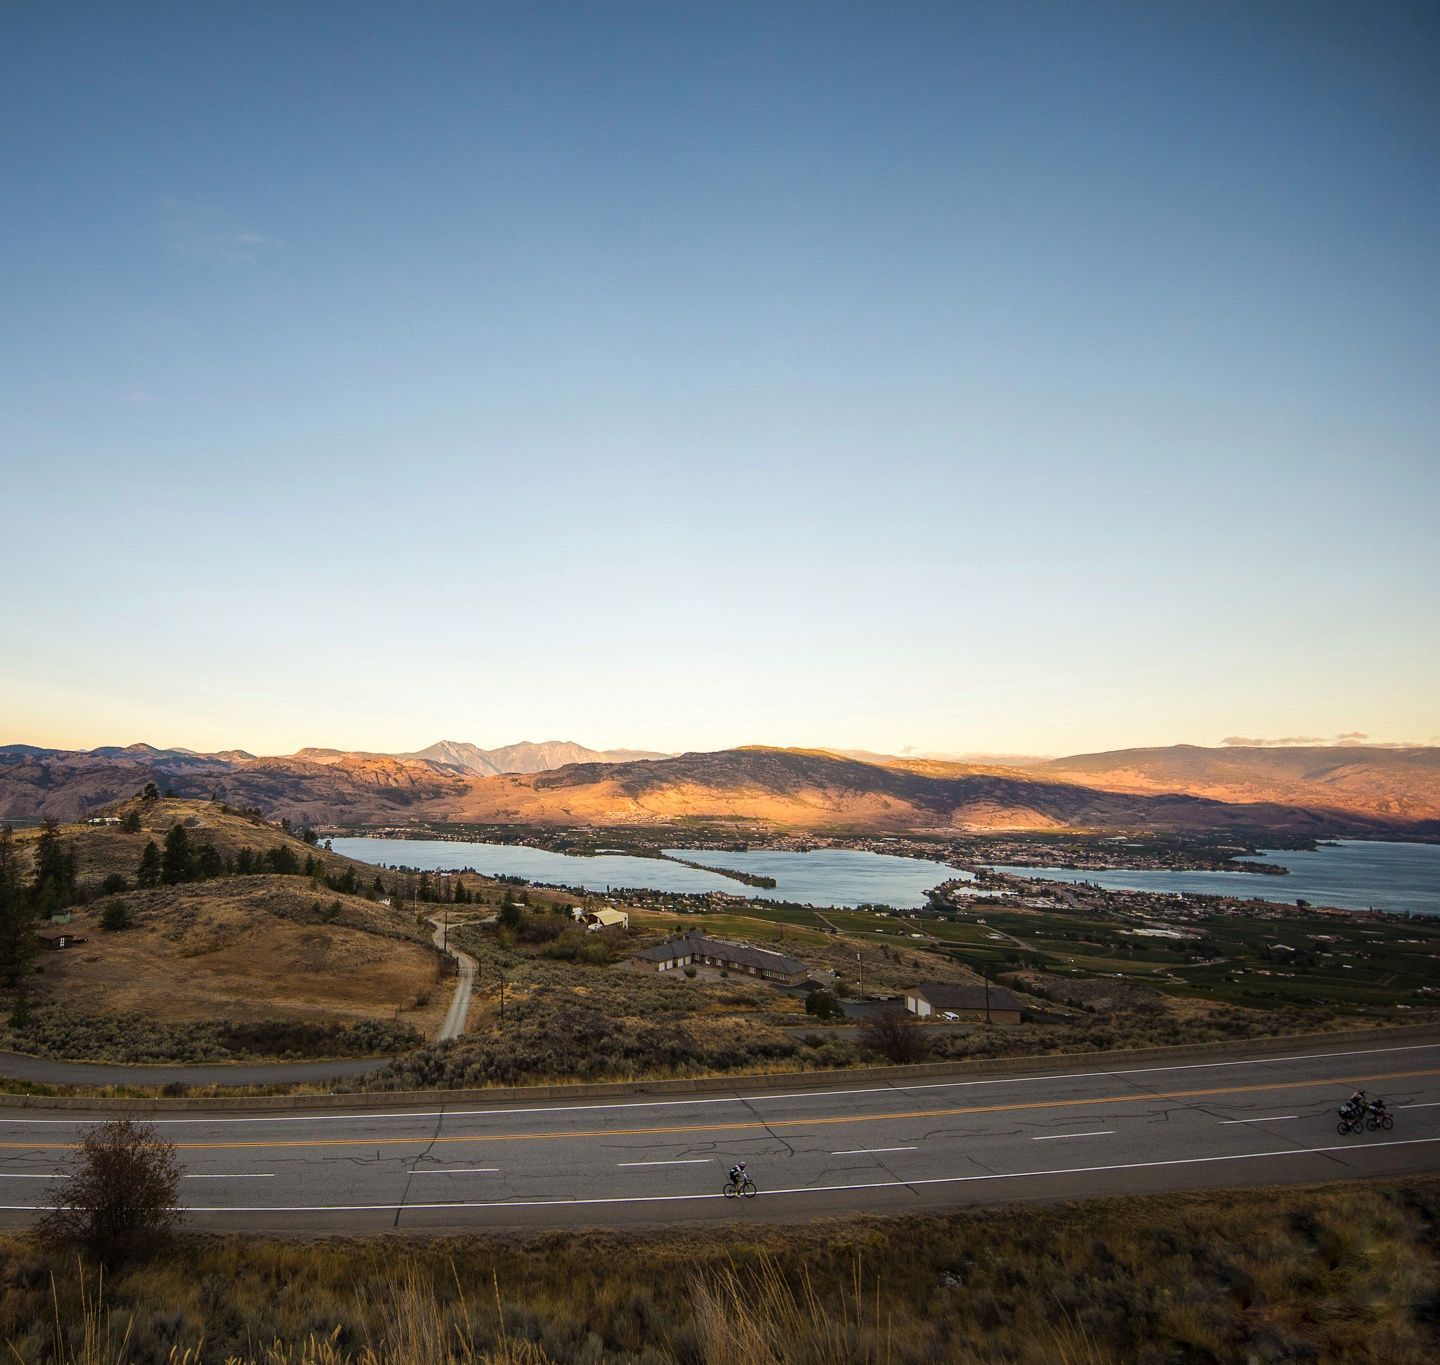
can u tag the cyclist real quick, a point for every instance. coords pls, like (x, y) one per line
(1358, 1102)
(737, 1173)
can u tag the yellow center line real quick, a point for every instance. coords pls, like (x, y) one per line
(563, 1135)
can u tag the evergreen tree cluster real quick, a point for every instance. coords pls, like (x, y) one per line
(181, 861)
(51, 887)
(449, 891)
(17, 919)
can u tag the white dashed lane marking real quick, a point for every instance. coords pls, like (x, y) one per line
(683, 1161)
(871, 1151)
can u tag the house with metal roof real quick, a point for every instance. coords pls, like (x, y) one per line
(606, 919)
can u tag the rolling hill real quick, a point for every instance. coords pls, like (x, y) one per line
(809, 789)
(313, 787)
(1393, 783)
(1305, 792)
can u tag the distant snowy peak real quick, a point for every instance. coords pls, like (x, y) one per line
(525, 757)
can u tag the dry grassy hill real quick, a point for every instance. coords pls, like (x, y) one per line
(1391, 783)
(104, 849)
(250, 949)
(249, 963)
(811, 789)
(1303, 791)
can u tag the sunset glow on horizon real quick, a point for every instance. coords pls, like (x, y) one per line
(947, 378)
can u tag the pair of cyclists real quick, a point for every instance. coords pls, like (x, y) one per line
(1361, 1111)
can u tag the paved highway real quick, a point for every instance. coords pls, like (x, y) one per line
(1245, 1120)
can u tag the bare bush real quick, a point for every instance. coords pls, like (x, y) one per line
(120, 1201)
(896, 1035)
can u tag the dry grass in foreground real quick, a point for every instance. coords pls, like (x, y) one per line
(1333, 1273)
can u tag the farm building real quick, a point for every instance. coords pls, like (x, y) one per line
(606, 919)
(932, 998)
(696, 949)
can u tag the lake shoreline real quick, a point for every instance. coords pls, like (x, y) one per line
(822, 878)
(1356, 875)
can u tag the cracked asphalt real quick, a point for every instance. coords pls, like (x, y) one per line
(1250, 1119)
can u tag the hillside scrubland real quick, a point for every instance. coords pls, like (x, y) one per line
(1336, 1273)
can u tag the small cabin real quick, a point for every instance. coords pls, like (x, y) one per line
(55, 939)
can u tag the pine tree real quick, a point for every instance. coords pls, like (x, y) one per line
(54, 883)
(177, 863)
(149, 873)
(131, 823)
(281, 859)
(18, 944)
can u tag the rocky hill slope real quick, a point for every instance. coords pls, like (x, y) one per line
(1394, 783)
(1265, 790)
(817, 790)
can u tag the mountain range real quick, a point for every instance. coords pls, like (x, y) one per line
(524, 757)
(1312, 791)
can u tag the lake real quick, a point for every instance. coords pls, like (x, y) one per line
(831, 878)
(1354, 874)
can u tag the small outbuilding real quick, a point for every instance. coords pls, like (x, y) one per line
(596, 920)
(992, 1003)
(55, 939)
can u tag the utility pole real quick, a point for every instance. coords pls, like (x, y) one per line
(861, 967)
(501, 975)
(445, 932)
(985, 977)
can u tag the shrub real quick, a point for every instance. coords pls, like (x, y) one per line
(116, 916)
(553, 1034)
(53, 1031)
(120, 1200)
(511, 915)
(113, 885)
(575, 945)
(823, 1005)
(539, 928)
(895, 1035)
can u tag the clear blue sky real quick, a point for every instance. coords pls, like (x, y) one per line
(1027, 377)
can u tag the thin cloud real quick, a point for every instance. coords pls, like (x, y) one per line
(1315, 741)
(206, 233)
(138, 397)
